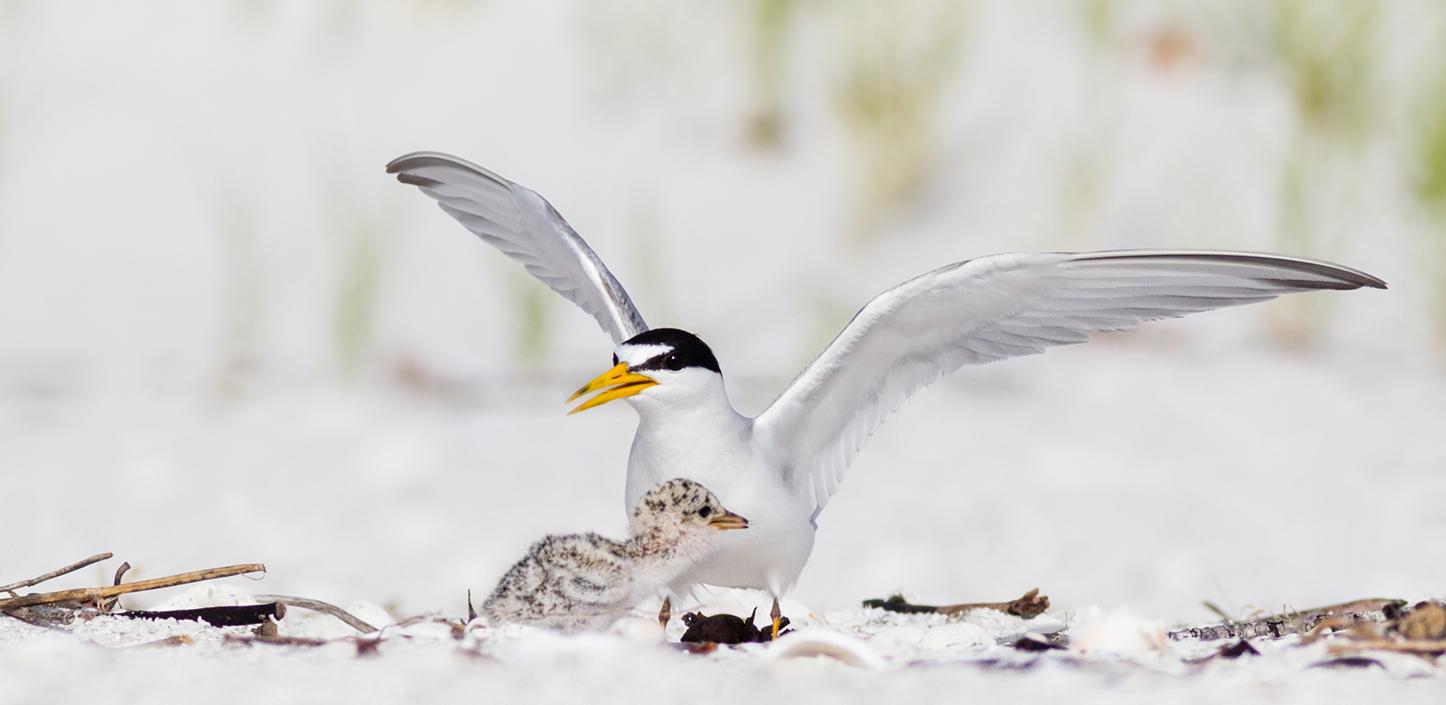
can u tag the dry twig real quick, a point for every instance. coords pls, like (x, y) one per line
(1419, 630)
(1339, 623)
(87, 595)
(120, 572)
(1425, 647)
(1028, 606)
(11, 588)
(323, 607)
(1300, 622)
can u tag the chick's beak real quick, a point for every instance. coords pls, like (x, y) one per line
(728, 520)
(617, 383)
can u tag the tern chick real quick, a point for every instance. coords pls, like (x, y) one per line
(586, 581)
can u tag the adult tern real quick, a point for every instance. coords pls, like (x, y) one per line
(780, 468)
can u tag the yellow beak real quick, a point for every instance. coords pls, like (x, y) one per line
(728, 520)
(619, 383)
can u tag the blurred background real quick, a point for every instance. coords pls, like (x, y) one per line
(227, 336)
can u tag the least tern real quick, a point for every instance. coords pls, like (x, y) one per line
(781, 467)
(587, 581)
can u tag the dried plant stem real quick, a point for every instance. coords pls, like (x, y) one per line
(1028, 606)
(1302, 622)
(323, 607)
(102, 593)
(1408, 646)
(120, 574)
(11, 588)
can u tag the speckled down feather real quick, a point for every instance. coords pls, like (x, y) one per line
(586, 581)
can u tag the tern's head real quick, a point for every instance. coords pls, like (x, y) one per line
(663, 366)
(678, 508)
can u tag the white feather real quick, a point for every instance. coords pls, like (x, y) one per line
(993, 308)
(525, 227)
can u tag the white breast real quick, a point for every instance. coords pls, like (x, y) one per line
(716, 449)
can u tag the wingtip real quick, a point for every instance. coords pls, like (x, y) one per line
(427, 158)
(399, 163)
(1328, 274)
(1358, 279)
(1355, 277)
(411, 159)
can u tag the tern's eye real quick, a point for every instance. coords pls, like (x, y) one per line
(673, 362)
(705, 511)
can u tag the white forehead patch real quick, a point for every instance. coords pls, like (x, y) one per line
(638, 354)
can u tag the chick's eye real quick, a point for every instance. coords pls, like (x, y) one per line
(705, 511)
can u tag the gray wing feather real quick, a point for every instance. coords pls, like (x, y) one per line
(997, 307)
(525, 227)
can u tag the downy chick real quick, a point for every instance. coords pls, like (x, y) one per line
(586, 581)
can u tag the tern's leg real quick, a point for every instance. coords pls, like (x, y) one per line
(665, 613)
(777, 615)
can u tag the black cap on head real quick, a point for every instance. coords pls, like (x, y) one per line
(688, 350)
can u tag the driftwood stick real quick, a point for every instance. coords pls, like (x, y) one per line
(1432, 647)
(323, 607)
(11, 588)
(897, 603)
(1300, 622)
(226, 616)
(102, 593)
(1030, 605)
(1349, 623)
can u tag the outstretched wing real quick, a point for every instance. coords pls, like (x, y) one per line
(526, 228)
(992, 308)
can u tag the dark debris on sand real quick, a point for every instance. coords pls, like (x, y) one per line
(727, 629)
